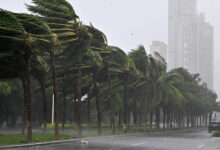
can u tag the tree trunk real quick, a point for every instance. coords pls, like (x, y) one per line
(192, 121)
(112, 122)
(42, 84)
(24, 113)
(168, 118)
(210, 117)
(200, 120)
(187, 120)
(75, 110)
(151, 120)
(129, 119)
(145, 112)
(125, 103)
(179, 117)
(135, 109)
(79, 133)
(88, 112)
(158, 118)
(164, 118)
(171, 119)
(183, 120)
(119, 120)
(29, 98)
(64, 111)
(53, 68)
(97, 103)
(206, 119)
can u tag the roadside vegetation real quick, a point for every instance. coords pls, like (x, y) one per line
(49, 54)
(10, 139)
(216, 134)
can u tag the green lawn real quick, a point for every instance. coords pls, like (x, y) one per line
(67, 134)
(20, 139)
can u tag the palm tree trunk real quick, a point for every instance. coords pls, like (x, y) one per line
(139, 119)
(112, 122)
(88, 112)
(42, 84)
(187, 120)
(168, 118)
(75, 110)
(125, 108)
(183, 120)
(164, 118)
(79, 133)
(171, 119)
(135, 109)
(200, 117)
(97, 103)
(178, 115)
(206, 119)
(145, 112)
(158, 118)
(24, 113)
(29, 98)
(210, 117)
(192, 121)
(64, 111)
(119, 120)
(129, 119)
(151, 120)
(53, 68)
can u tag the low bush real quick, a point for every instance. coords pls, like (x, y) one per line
(216, 134)
(52, 126)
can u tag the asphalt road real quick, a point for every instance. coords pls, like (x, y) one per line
(180, 140)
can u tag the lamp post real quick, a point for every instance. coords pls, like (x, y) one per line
(52, 109)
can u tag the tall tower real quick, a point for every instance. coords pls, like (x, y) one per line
(181, 40)
(182, 7)
(186, 47)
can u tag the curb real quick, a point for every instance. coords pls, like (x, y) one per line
(88, 138)
(37, 144)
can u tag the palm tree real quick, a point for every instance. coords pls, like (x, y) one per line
(59, 15)
(141, 62)
(123, 69)
(23, 31)
(98, 51)
(39, 70)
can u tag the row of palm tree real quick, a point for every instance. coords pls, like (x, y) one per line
(52, 46)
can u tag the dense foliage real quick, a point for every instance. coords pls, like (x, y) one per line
(50, 52)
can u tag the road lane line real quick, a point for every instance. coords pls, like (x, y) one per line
(201, 146)
(138, 144)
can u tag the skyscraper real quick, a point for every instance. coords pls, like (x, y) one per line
(190, 41)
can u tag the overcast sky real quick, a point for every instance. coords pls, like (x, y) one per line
(128, 23)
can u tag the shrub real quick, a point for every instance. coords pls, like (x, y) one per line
(216, 134)
(52, 126)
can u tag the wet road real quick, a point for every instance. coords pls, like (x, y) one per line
(180, 140)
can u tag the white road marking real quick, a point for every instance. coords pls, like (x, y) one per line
(201, 146)
(139, 144)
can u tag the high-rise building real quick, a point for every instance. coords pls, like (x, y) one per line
(190, 41)
(159, 47)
